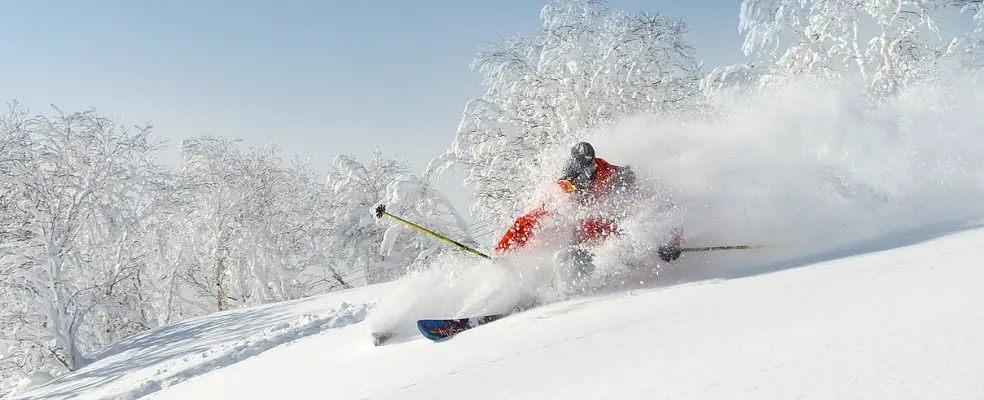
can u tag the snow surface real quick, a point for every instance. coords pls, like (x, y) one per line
(157, 359)
(898, 317)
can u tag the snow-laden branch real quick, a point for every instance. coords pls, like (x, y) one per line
(587, 66)
(886, 44)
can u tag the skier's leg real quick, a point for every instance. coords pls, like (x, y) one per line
(577, 265)
(582, 264)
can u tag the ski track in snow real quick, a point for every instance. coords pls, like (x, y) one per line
(185, 350)
(237, 350)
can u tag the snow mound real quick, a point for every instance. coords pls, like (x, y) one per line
(173, 354)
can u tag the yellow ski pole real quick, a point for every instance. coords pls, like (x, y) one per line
(381, 210)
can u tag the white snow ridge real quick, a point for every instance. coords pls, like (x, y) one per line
(159, 359)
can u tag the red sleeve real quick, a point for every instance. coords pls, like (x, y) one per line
(521, 231)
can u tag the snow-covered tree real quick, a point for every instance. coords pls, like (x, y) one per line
(206, 226)
(294, 241)
(968, 49)
(366, 250)
(246, 228)
(588, 65)
(417, 199)
(733, 77)
(888, 44)
(77, 192)
(99, 241)
(356, 240)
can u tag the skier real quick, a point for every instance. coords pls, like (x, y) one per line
(594, 183)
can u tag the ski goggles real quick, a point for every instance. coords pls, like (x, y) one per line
(567, 185)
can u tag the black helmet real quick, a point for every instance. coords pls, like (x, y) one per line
(583, 150)
(581, 165)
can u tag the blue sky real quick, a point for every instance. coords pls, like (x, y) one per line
(320, 78)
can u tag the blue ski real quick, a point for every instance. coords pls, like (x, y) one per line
(442, 329)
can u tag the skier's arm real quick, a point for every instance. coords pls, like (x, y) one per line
(521, 231)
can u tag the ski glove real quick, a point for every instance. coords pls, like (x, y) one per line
(669, 252)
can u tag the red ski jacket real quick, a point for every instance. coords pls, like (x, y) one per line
(603, 183)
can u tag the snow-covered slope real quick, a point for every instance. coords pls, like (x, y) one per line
(900, 318)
